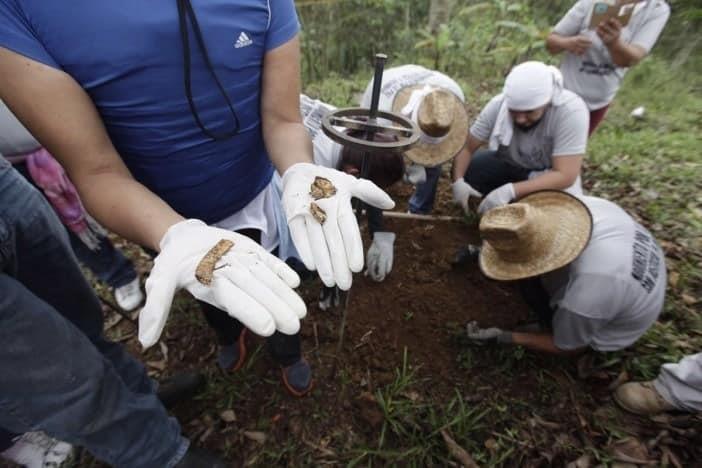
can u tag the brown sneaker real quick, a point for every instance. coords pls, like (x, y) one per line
(641, 398)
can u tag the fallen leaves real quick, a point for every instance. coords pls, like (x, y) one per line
(584, 461)
(256, 436)
(369, 410)
(228, 416)
(158, 365)
(689, 299)
(630, 450)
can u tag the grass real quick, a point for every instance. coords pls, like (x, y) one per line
(411, 428)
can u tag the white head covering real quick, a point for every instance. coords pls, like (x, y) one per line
(531, 85)
(528, 86)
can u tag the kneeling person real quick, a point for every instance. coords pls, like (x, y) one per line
(384, 169)
(590, 272)
(536, 133)
(436, 103)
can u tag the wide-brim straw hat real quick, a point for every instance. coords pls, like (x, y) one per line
(433, 154)
(542, 232)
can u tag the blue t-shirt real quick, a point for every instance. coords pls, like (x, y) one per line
(128, 57)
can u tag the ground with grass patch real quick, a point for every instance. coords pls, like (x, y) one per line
(407, 389)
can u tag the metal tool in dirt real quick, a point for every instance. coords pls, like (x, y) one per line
(403, 132)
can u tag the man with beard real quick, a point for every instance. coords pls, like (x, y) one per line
(536, 133)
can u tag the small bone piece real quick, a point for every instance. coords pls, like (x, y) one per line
(322, 188)
(318, 213)
(206, 267)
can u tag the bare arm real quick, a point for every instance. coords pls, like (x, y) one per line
(541, 342)
(563, 174)
(557, 43)
(623, 54)
(462, 159)
(285, 136)
(59, 113)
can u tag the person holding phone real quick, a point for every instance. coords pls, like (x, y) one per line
(597, 56)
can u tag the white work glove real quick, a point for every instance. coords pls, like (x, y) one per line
(335, 248)
(380, 255)
(415, 174)
(462, 191)
(248, 283)
(484, 336)
(499, 197)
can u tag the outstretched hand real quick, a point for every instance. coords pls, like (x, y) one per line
(245, 281)
(329, 242)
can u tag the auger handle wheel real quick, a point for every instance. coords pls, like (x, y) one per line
(405, 132)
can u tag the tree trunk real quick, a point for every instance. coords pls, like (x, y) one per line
(439, 11)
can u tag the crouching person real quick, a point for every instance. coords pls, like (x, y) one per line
(594, 276)
(435, 102)
(383, 169)
(536, 133)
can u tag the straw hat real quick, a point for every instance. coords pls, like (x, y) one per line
(542, 232)
(443, 121)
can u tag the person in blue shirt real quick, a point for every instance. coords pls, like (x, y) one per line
(170, 118)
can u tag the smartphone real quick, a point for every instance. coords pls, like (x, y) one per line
(603, 10)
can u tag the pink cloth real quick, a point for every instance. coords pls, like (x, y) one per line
(48, 175)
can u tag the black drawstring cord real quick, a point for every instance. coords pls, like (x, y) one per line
(185, 8)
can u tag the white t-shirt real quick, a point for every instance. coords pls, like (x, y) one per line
(262, 213)
(326, 151)
(562, 131)
(14, 138)
(265, 211)
(593, 75)
(614, 291)
(396, 78)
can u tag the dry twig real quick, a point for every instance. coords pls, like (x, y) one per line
(458, 452)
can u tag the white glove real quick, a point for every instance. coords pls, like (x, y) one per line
(498, 197)
(334, 248)
(484, 336)
(415, 174)
(380, 255)
(248, 283)
(462, 191)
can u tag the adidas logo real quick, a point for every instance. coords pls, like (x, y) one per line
(243, 41)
